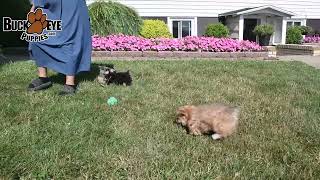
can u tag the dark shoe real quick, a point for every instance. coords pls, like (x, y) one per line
(68, 90)
(39, 84)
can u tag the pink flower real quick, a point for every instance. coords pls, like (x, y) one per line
(191, 43)
(312, 39)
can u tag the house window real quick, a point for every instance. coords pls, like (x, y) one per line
(293, 23)
(297, 23)
(181, 28)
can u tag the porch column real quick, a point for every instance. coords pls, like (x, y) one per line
(284, 30)
(304, 22)
(241, 25)
(274, 24)
(169, 24)
(195, 27)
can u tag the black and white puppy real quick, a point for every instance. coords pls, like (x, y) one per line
(108, 75)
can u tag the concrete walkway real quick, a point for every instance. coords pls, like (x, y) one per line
(310, 60)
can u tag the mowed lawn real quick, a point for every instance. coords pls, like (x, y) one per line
(45, 136)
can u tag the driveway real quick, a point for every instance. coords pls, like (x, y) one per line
(310, 60)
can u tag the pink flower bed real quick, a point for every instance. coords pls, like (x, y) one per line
(208, 44)
(312, 39)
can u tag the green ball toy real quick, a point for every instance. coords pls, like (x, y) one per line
(112, 101)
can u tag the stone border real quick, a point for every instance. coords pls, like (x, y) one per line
(178, 55)
(298, 49)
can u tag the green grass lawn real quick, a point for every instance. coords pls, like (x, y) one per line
(43, 135)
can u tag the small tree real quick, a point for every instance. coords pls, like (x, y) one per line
(113, 18)
(17, 10)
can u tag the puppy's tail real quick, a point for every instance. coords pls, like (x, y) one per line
(236, 114)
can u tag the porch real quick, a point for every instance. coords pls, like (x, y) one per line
(243, 21)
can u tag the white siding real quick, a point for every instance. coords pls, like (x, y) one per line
(309, 9)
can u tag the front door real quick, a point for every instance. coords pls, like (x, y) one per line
(278, 31)
(249, 25)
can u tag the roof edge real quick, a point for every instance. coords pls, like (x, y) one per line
(246, 11)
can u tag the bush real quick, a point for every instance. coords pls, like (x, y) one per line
(316, 32)
(217, 30)
(18, 10)
(113, 18)
(306, 30)
(294, 35)
(155, 29)
(263, 30)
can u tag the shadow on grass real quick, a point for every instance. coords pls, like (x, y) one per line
(7, 59)
(13, 54)
(22, 55)
(83, 76)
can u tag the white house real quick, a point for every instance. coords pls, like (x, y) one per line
(190, 17)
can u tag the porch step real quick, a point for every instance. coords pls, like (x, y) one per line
(272, 51)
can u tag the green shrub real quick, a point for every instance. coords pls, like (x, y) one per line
(17, 10)
(294, 35)
(113, 18)
(316, 32)
(306, 30)
(217, 30)
(155, 29)
(263, 30)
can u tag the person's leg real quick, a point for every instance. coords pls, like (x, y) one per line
(70, 87)
(70, 80)
(42, 72)
(42, 82)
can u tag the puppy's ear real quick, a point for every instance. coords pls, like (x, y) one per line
(185, 111)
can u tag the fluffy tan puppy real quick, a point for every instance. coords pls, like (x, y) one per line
(220, 120)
